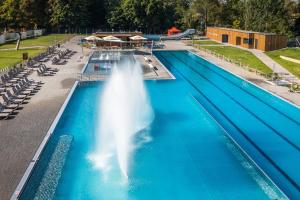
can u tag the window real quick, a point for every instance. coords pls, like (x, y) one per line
(248, 41)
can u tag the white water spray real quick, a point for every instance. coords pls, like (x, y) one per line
(125, 112)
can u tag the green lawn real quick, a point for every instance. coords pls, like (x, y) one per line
(241, 56)
(206, 42)
(12, 57)
(294, 68)
(45, 41)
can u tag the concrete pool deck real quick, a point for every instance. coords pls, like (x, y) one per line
(21, 136)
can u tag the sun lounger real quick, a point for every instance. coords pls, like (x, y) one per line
(17, 96)
(33, 82)
(26, 89)
(43, 73)
(7, 100)
(43, 67)
(58, 61)
(29, 86)
(4, 115)
(22, 92)
(10, 106)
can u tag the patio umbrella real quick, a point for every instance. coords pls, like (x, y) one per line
(137, 37)
(92, 38)
(111, 38)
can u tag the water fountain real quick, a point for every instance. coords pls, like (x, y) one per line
(125, 112)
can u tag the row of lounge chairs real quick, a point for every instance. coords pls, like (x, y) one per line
(46, 71)
(62, 56)
(14, 75)
(16, 96)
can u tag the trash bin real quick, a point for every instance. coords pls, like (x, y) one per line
(25, 56)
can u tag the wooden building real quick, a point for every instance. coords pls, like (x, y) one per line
(247, 39)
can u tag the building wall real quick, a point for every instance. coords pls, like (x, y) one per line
(250, 40)
(274, 42)
(259, 42)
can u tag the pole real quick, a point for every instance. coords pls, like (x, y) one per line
(152, 47)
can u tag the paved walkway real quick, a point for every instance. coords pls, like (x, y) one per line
(31, 47)
(20, 137)
(272, 64)
(277, 68)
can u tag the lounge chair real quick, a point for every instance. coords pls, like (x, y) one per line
(8, 100)
(43, 67)
(32, 82)
(44, 73)
(22, 92)
(17, 96)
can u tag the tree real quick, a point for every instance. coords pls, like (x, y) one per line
(10, 13)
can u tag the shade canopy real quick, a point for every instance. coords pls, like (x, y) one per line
(137, 37)
(92, 38)
(111, 38)
(173, 30)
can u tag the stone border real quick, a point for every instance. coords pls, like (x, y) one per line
(33, 162)
(291, 103)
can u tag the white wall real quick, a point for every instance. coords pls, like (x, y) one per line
(2, 39)
(23, 35)
(14, 36)
(38, 32)
(11, 36)
(30, 34)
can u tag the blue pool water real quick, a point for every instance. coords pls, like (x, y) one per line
(189, 156)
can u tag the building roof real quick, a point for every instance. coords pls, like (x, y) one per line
(243, 31)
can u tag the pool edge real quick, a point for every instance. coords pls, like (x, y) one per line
(33, 162)
(251, 160)
(244, 79)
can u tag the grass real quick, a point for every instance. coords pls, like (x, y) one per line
(241, 56)
(11, 57)
(44, 41)
(292, 67)
(206, 42)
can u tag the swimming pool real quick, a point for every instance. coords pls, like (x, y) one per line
(190, 155)
(267, 127)
(101, 62)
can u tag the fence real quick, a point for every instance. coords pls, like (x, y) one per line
(237, 63)
(7, 37)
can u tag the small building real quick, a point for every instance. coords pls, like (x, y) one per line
(247, 39)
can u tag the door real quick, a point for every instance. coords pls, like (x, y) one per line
(256, 44)
(238, 40)
(224, 38)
